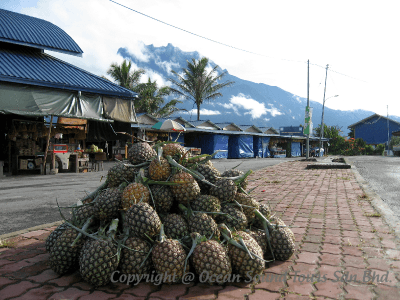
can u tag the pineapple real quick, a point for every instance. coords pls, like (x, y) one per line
(210, 256)
(141, 152)
(261, 239)
(265, 211)
(210, 174)
(107, 205)
(282, 243)
(175, 226)
(206, 203)
(159, 169)
(236, 173)
(63, 256)
(169, 258)
(247, 201)
(277, 221)
(143, 220)
(242, 263)
(51, 239)
(132, 258)
(187, 189)
(234, 217)
(174, 150)
(120, 173)
(162, 197)
(225, 190)
(82, 213)
(99, 258)
(134, 193)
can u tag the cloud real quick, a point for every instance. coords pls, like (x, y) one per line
(167, 65)
(204, 112)
(251, 106)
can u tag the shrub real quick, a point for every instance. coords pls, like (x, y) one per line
(369, 150)
(379, 149)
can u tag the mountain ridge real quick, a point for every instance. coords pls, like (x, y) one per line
(244, 103)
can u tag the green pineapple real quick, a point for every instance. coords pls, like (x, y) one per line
(120, 173)
(225, 190)
(51, 239)
(210, 173)
(143, 220)
(211, 258)
(234, 217)
(162, 197)
(107, 204)
(141, 152)
(175, 226)
(134, 260)
(235, 173)
(248, 204)
(206, 203)
(187, 188)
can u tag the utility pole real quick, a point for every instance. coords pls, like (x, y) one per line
(308, 108)
(321, 134)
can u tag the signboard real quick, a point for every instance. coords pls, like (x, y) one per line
(308, 120)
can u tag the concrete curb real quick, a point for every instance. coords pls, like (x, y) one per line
(385, 211)
(19, 232)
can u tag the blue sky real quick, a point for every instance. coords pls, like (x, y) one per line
(356, 38)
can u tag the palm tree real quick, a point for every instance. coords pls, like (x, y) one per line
(199, 85)
(151, 99)
(123, 75)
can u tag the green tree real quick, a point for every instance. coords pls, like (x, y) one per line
(336, 141)
(123, 75)
(199, 85)
(394, 141)
(351, 133)
(151, 99)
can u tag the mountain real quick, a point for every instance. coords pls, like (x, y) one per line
(244, 103)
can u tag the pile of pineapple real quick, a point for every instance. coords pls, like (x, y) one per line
(164, 212)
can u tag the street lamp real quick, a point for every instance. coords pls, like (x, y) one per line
(321, 133)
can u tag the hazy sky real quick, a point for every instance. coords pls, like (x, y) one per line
(356, 38)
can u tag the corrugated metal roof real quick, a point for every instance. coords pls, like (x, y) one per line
(21, 29)
(31, 66)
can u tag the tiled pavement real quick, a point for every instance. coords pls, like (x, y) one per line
(345, 250)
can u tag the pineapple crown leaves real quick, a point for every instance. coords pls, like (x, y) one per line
(196, 239)
(232, 238)
(238, 179)
(96, 192)
(194, 173)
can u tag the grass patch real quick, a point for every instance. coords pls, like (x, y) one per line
(344, 178)
(373, 215)
(6, 244)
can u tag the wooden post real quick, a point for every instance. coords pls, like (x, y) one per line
(47, 146)
(126, 151)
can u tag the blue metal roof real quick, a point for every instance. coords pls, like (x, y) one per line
(30, 66)
(24, 30)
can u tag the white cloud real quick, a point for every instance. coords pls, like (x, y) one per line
(203, 112)
(154, 76)
(167, 65)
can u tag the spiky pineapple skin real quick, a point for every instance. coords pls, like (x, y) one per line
(225, 190)
(143, 220)
(54, 235)
(82, 213)
(211, 259)
(175, 226)
(98, 261)
(134, 193)
(261, 239)
(120, 173)
(186, 189)
(140, 152)
(163, 198)
(206, 203)
(246, 201)
(282, 243)
(265, 211)
(237, 219)
(204, 225)
(168, 259)
(63, 257)
(131, 260)
(235, 173)
(159, 170)
(210, 174)
(108, 204)
(242, 263)
(176, 151)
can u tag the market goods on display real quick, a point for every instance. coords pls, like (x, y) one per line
(168, 217)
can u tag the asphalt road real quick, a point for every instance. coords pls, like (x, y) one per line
(383, 175)
(30, 200)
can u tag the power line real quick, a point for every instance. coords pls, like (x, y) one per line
(203, 37)
(223, 44)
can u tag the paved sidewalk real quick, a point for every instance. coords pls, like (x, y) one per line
(345, 249)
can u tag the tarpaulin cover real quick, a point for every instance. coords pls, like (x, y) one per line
(119, 110)
(296, 151)
(101, 131)
(265, 144)
(181, 138)
(39, 101)
(240, 146)
(258, 148)
(209, 143)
